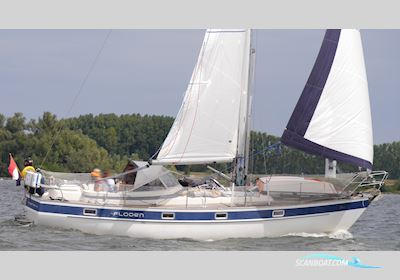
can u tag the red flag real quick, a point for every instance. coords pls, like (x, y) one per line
(13, 169)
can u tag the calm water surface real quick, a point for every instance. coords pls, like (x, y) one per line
(377, 229)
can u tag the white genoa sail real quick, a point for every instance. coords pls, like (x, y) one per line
(213, 111)
(332, 117)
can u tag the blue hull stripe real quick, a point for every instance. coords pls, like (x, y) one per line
(191, 216)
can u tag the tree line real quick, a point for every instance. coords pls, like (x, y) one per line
(107, 141)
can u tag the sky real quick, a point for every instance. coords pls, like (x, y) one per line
(147, 72)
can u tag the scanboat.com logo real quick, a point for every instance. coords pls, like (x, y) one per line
(330, 260)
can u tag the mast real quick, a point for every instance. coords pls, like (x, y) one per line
(249, 108)
(241, 163)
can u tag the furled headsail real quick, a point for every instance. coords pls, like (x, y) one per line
(211, 117)
(332, 117)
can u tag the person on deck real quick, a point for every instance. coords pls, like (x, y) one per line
(96, 178)
(260, 184)
(109, 182)
(95, 174)
(28, 166)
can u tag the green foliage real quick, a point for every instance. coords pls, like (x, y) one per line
(396, 186)
(391, 186)
(187, 170)
(285, 160)
(125, 134)
(16, 123)
(387, 157)
(53, 146)
(107, 141)
(2, 120)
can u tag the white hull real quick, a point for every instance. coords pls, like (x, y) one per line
(328, 222)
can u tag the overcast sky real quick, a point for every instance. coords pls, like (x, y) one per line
(147, 71)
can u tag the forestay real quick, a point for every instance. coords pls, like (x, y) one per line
(206, 127)
(332, 117)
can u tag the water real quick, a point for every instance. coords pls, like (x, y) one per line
(377, 229)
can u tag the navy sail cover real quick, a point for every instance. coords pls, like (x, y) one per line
(337, 129)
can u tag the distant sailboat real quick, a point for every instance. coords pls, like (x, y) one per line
(331, 119)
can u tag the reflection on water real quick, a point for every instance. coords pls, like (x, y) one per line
(377, 229)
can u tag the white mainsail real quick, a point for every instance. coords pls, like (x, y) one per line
(332, 117)
(212, 117)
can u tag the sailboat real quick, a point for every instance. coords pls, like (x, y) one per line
(331, 119)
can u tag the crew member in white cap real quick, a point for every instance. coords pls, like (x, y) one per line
(260, 183)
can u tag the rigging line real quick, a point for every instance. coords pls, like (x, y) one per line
(264, 154)
(275, 146)
(126, 172)
(152, 157)
(78, 94)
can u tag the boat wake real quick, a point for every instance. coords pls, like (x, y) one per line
(341, 235)
(22, 220)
